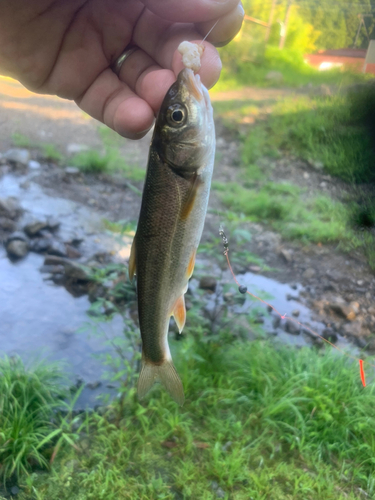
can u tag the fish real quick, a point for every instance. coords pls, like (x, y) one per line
(171, 220)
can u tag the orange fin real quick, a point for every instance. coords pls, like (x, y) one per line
(189, 203)
(191, 265)
(132, 263)
(179, 313)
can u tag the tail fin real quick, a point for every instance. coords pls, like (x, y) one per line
(166, 374)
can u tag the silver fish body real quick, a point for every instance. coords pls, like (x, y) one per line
(171, 221)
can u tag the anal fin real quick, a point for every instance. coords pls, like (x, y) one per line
(132, 260)
(179, 313)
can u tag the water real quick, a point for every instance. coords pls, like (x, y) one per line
(41, 319)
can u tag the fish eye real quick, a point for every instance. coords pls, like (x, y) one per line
(176, 115)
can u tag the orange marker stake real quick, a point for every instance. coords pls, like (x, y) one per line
(362, 372)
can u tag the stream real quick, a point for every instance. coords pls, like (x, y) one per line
(40, 319)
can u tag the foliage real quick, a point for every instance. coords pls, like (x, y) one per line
(260, 421)
(28, 398)
(327, 129)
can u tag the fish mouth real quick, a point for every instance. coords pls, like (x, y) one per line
(193, 83)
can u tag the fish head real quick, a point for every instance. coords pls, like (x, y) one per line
(185, 127)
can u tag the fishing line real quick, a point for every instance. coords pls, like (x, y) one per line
(243, 289)
(201, 43)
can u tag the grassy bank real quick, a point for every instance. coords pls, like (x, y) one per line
(335, 135)
(252, 67)
(259, 422)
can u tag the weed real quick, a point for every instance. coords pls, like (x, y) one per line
(51, 153)
(259, 422)
(92, 161)
(21, 140)
(28, 398)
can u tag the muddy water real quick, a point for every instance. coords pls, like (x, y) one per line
(41, 319)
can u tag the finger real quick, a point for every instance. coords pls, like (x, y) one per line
(112, 102)
(162, 42)
(226, 28)
(190, 11)
(146, 78)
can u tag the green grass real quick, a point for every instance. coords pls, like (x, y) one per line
(285, 208)
(259, 422)
(28, 398)
(321, 129)
(251, 69)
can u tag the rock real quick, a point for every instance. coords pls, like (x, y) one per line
(72, 171)
(220, 493)
(228, 297)
(214, 485)
(14, 490)
(72, 252)
(306, 331)
(7, 224)
(34, 165)
(208, 283)
(309, 273)
(339, 306)
(255, 269)
(40, 245)
(76, 271)
(52, 224)
(329, 334)
(276, 322)
(295, 312)
(17, 249)
(292, 327)
(94, 385)
(10, 207)
(353, 329)
(57, 248)
(74, 148)
(18, 155)
(73, 270)
(17, 235)
(33, 227)
(274, 77)
(318, 165)
(355, 307)
(286, 255)
(52, 269)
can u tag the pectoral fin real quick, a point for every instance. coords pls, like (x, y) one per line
(191, 265)
(189, 203)
(132, 262)
(179, 313)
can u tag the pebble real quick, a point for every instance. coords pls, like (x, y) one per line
(286, 255)
(220, 493)
(17, 155)
(255, 269)
(309, 273)
(208, 283)
(14, 490)
(329, 334)
(10, 207)
(295, 312)
(72, 171)
(40, 245)
(7, 224)
(242, 289)
(34, 165)
(17, 248)
(292, 327)
(57, 248)
(74, 148)
(33, 228)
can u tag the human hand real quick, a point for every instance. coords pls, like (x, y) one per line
(67, 48)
